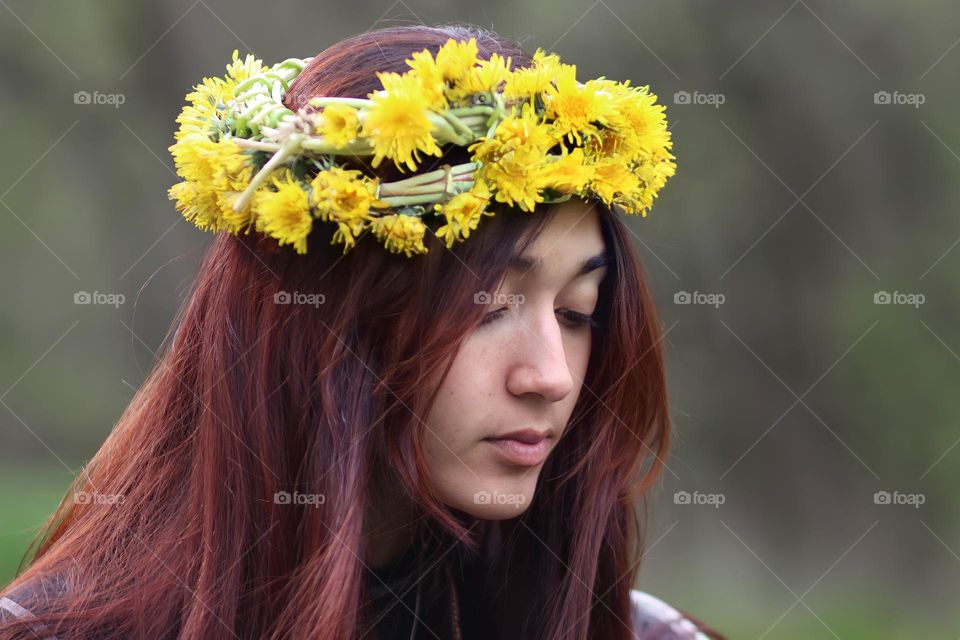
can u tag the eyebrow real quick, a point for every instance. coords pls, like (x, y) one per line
(523, 263)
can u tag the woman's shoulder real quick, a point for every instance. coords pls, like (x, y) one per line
(653, 618)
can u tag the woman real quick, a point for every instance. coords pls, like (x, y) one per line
(337, 444)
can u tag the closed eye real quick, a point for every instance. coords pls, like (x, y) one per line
(573, 319)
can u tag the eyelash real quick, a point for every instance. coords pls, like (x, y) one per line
(575, 318)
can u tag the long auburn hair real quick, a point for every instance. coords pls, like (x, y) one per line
(249, 398)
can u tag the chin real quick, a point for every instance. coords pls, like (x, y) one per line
(496, 511)
(497, 499)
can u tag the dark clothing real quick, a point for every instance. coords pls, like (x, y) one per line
(393, 593)
(388, 586)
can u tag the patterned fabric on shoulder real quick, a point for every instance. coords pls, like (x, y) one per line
(654, 619)
(34, 595)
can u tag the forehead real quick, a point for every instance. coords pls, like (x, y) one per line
(570, 237)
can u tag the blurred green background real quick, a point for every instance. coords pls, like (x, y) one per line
(804, 258)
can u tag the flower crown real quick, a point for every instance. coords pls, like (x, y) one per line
(535, 135)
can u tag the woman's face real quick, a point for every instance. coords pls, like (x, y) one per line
(519, 371)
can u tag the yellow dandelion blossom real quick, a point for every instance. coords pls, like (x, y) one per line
(429, 76)
(284, 213)
(485, 77)
(400, 233)
(207, 99)
(232, 176)
(202, 108)
(536, 79)
(398, 122)
(512, 158)
(345, 196)
(611, 178)
(526, 131)
(641, 120)
(456, 57)
(342, 194)
(190, 158)
(651, 175)
(516, 178)
(197, 202)
(569, 173)
(347, 235)
(215, 173)
(486, 150)
(463, 213)
(339, 124)
(575, 108)
(609, 143)
(240, 70)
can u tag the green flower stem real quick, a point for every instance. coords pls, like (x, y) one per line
(480, 109)
(397, 201)
(477, 126)
(435, 188)
(318, 144)
(443, 130)
(458, 125)
(289, 148)
(433, 176)
(259, 145)
(479, 121)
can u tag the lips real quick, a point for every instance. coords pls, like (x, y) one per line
(526, 436)
(527, 447)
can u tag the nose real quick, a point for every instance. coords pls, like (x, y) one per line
(541, 368)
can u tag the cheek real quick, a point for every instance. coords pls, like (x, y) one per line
(462, 410)
(577, 349)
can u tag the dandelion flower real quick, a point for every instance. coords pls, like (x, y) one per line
(400, 233)
(536, 79)
(456, 57)
(517, 178)
(429, 76)
(284, 213)
(345, 196)
(462, 213)
(485, 77)
(567, 174)
(575, 107)
(339, 124)
(612, 178)
(398, 122)
(215, 174)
